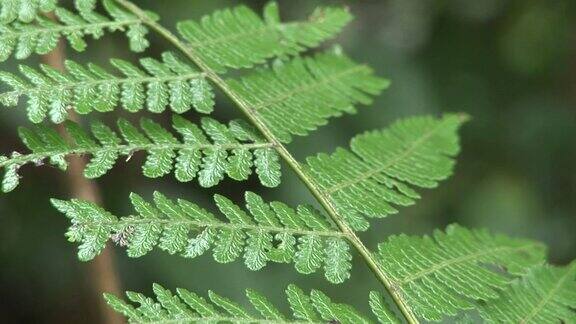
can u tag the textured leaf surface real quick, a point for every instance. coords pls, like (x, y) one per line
(239, 38)
(154, 86)
(269, 232)
(381, 167)
(547, 294)
(446, 273)
(24, 10)
(296, 97)
(207, 152)
(188, 307)
(381, 309)
(37, 34)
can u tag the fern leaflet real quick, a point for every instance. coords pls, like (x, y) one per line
(446, 273)
(169, 83)
(383, 164)
(238, 37)
(547, 294)
(208, 153)
(42, 36)
(189, 307)
(272, 232)
(296, 97)
(24, 10)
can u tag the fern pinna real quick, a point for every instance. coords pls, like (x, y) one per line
(282, 92)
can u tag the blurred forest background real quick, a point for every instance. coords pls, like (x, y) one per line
(511, 64)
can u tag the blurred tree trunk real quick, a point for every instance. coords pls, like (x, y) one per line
(102, 270)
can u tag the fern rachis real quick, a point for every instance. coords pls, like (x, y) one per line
(426, 277)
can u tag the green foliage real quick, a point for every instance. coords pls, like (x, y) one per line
(292, 94)
(24, 10)
(239, 38)
(547, 294)
(188, 307)
(209, 152)
(448, 272)
(382, 166)
(381, 309)
(172, 83)
(295, 97)
(271, 232)
(42, 35)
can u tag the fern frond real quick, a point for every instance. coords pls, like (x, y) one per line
(272, 232)
(188, 307)
(239, 38)
(448, 272)
(208, 153)
(296, 97)
(171, 82)
(382, 166)
(24, 10)
(547, 294)
(42, 35)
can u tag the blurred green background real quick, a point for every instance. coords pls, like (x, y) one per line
(511, 64)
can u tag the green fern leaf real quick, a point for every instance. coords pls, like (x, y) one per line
(547, 294)
(24, 10)
(330, 311)
(446, 273)
(11, 178)
(92, 238)
(103, 160)
(85, 6)
(270, 232)
(187, 307)
(168, 83)
(202, 152)
(377, 174)
(300, 304)
(337, 260)
(308, 258)
(239, 38)
(381, 310)
(266, 309)
(286, 97)
(159, 161)
(40, 35)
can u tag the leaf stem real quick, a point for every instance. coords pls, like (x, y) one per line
(125, 150)
(113, 25)
(129, 221)
(312, 186)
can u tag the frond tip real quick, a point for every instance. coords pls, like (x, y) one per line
(450, 271)
(270, 232)
(547, 294)
(188, 307)
(208, 152)
(157, 85)
(382, 165)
